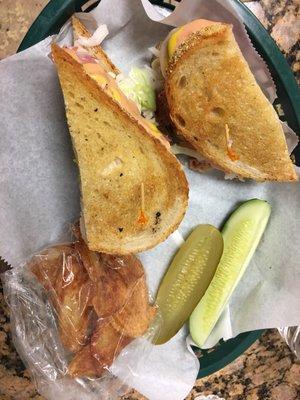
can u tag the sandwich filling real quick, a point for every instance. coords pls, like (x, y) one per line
(108, 81)
(178, 36)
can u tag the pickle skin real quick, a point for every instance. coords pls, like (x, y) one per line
(241, 233)
(187, 279)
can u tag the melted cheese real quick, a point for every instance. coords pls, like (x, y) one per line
(95, 70)
(181, 34)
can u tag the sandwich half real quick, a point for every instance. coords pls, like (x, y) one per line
(134, 191)
(218, 108)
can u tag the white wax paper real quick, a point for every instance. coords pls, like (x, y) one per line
(39, 189)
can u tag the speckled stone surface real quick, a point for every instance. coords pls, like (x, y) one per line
(267, 370)
(282, 20)
(16, 16)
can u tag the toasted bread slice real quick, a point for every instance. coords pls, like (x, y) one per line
(134, 191)
(218, 107)
(79, 30)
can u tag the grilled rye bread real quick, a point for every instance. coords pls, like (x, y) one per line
(80, 31)
(218, 107)
(134, 191)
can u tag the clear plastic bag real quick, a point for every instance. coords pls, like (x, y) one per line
(73, 312)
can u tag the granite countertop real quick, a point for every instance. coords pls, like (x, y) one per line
(268, 369)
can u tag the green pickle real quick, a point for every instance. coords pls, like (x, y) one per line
(187, 279)
(242, 233)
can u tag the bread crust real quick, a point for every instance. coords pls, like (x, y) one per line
(262, 133)
(80, 30)
(64, 60)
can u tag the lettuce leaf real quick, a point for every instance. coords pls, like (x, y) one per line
(139, 86)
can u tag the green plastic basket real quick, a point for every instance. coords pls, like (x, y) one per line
(57, 12)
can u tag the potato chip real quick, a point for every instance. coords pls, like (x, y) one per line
(135, 317)
(46, 265)
(113, 277)
(106, 344)
(86, 285)
(83, 364)
(73, 303)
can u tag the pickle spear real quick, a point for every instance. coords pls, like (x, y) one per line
(241, 234)
(187, 279)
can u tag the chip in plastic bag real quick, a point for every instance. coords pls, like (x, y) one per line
(73, 312)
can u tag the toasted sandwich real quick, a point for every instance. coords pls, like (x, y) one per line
(134, 191)
(217, 107)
